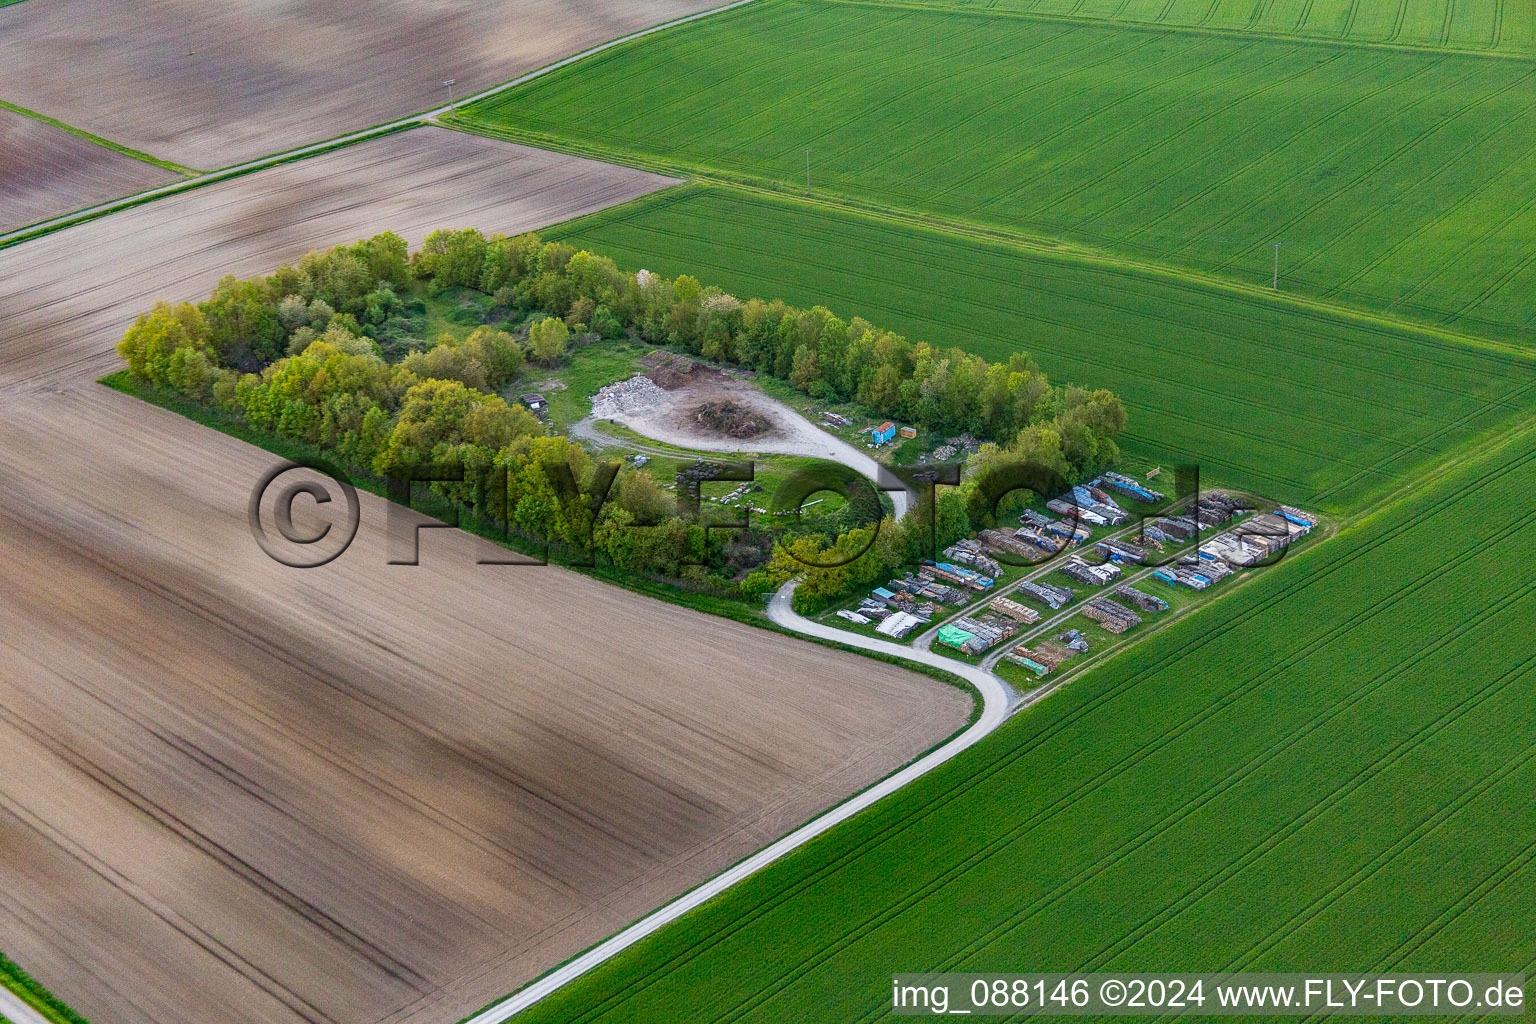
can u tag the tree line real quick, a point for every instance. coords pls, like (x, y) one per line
(298, 353)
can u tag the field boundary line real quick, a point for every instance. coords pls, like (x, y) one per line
(116, 147)
(1184, 298)
(1315, 573)
(435, 116)
(997, 703)
(1218, 787)
(1036, 244)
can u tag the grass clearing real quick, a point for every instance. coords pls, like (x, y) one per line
(1320, 769)
(1395, 180)
(1299, 405)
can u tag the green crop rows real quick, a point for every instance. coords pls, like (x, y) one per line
(1321, 771)
(1318, 772)
(1498, 26)
(1315, 408)
(1399, 180)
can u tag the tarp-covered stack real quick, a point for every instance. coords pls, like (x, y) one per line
(1093, 575)
(999, 541)
(898, 625)
(1126, 485)
(973, 554)
(956, 637)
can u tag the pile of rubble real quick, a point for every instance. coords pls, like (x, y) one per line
(630, 395)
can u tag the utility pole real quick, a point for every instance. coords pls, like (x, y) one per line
(807, 171)
(448, 84)
(1277, 266)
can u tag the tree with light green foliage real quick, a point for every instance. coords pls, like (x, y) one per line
(547, 339)
(151, 345)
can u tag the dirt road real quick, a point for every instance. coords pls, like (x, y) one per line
(671, 422)
(234, 791)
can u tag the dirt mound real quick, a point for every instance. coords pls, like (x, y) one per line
(730, 419)
(669, 370)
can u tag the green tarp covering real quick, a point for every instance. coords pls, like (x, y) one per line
(954, 635)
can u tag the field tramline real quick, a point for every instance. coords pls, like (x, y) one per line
(1398, 181)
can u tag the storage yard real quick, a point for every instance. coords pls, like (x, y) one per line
(1105, 558)
(1251, 785)
(233, 791)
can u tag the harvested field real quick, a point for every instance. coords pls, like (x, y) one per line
(211, 85)
(45, 172)
(233, 791)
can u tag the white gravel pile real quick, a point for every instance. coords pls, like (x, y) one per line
(627, 396)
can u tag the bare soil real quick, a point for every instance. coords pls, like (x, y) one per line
(207, 85)
(45, 172)
(675, 421)
(238, 792)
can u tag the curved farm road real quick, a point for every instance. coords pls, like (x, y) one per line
(998, 701)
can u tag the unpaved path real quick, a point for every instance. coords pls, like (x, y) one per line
(670, 421)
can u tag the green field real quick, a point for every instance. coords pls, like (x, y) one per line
(1329, 770)
(1498, 26)
(1394, 179)
(1287, 402)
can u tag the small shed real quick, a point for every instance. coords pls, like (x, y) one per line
(535, 403)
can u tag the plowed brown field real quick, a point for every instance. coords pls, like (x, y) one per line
(207, 85)
(45, 172)
(238, 792)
